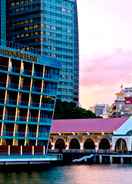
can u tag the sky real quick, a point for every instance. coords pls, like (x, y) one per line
(105, 35)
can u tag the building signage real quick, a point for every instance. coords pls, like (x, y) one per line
(18, 54)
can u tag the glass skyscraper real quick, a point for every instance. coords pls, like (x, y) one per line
(50, 28)
(2, 22)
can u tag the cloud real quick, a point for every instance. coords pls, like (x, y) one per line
(108, 70)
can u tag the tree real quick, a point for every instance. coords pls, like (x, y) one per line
(65, 110)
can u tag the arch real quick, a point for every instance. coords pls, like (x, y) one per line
(60, 144)
(104, 144)
(129, 133)
(74, 144)
(121, 145)
(89, 144)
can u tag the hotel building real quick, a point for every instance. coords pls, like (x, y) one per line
(49, 28)
(28, 89)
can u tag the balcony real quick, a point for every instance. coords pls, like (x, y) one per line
(13, 86)
(45, 121)
(38, 74)
(9, 118)
(33, 119)
(43, 136)
(51, 77)
(47, 106)
(36, 89)
(23, 104)
(50, 92)
(31, 135)
(20, 135)
(8, 133)
(2, 101)
(11, 102)
(2, 85)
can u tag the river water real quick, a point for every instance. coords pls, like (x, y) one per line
(77, 174)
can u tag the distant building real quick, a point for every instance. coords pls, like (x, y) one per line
(101, 110)
(123, 102)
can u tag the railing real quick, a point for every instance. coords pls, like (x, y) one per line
(7, 133)
(38, 74)
(52, 76)
(22, 103)
(33, 119)
(13, 85)
(12, 102)
(10, 118)
(21, 118)
(51, 106)
(36, 89)
(31, 134)
(20, 134)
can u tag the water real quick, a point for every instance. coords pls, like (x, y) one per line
(82, 174)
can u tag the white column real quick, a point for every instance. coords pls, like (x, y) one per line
(32, 150)
(21, 150)
(43, 150)
(81, 146)
(100, 159)
(67, 145)
(9, 150)
(53, 146)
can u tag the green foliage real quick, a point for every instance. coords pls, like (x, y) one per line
(65, 110)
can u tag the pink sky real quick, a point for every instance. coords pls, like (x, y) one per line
(105, 28)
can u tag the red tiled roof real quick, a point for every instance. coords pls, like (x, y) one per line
(87, 125)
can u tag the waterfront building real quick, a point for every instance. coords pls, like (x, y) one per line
(49, 28)
(91, 135)
(28, 89)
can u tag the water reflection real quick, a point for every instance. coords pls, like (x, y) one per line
(115, 174)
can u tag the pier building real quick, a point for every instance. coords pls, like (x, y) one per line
(28, 89)
(113, 135)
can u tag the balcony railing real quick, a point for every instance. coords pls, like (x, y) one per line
(7, 133)
(12, 102)
(10, 118)
(36, 89)
(21, 118)
(13, 86)
(33, 119)
(38, 74)
(50, 106)
(20, 134)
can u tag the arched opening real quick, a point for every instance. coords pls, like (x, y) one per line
(104, 144)
(74, 144)
(121, 146)
(60, 144)
(49, 146)
(89, 144)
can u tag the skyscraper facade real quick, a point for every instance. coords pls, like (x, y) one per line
(49, 28)
(2, 22)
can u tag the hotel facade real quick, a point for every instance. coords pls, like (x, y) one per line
(28, 89)
(49, 28)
